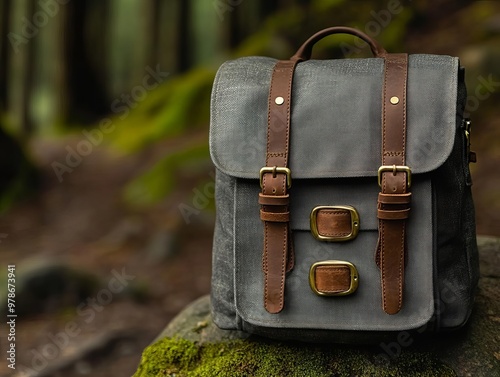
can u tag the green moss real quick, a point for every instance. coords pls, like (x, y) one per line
(169, 357)
(159, 181)
(178, 105)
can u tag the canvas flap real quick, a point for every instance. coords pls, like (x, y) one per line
(336, 116)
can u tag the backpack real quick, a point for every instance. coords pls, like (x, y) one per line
(343, 195)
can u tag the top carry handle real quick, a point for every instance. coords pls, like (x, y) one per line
(304, 52)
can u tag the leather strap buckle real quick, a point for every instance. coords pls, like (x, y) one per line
(276, 170)
(394, 169)
(329, 223)
(333, 278)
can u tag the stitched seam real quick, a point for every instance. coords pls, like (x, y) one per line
(283, 254)
(289, 95)
(266, 271)
(271, 92)
(332, 291)
(382, 264)
(384, 119)
(404, 108)
(334, 234)
(335, 213)
(382, 251)
(291, 256)
(266, 253)
(330, 268)
(401, 258)
(403, 229)
(283, 265)
(275, 154)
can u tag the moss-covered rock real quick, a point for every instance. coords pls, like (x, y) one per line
(192, 345)
(257, 357)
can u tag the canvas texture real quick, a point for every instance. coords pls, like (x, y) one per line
(335, 149)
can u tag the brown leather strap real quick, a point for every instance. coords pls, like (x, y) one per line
(334, 222)
(332, 279)
(394, 200)
(278, 251)
(280, 217)
(274, 199)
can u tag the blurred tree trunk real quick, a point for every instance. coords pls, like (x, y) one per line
(27, 124)
(155, 26)
(18, 175)
(242, 20)
(184, 37)
(204, 43)
(20, 64)
(166, 31)
(130, 44)
(5, 7)
(49, 94)
(85, 40)
(249, 18)
(268, 7)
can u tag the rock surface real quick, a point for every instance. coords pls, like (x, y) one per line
(192, 345)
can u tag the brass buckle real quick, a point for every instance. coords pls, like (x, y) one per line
(352, 269)
(394, 169)
(276, 170)
(354, 224)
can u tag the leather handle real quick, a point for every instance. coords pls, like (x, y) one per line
(304, 52)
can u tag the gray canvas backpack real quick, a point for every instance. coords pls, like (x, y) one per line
(343, 197)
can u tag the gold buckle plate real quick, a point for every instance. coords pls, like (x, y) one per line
(354, 224)
(352, 269)
(394, 169)
(276, 170)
